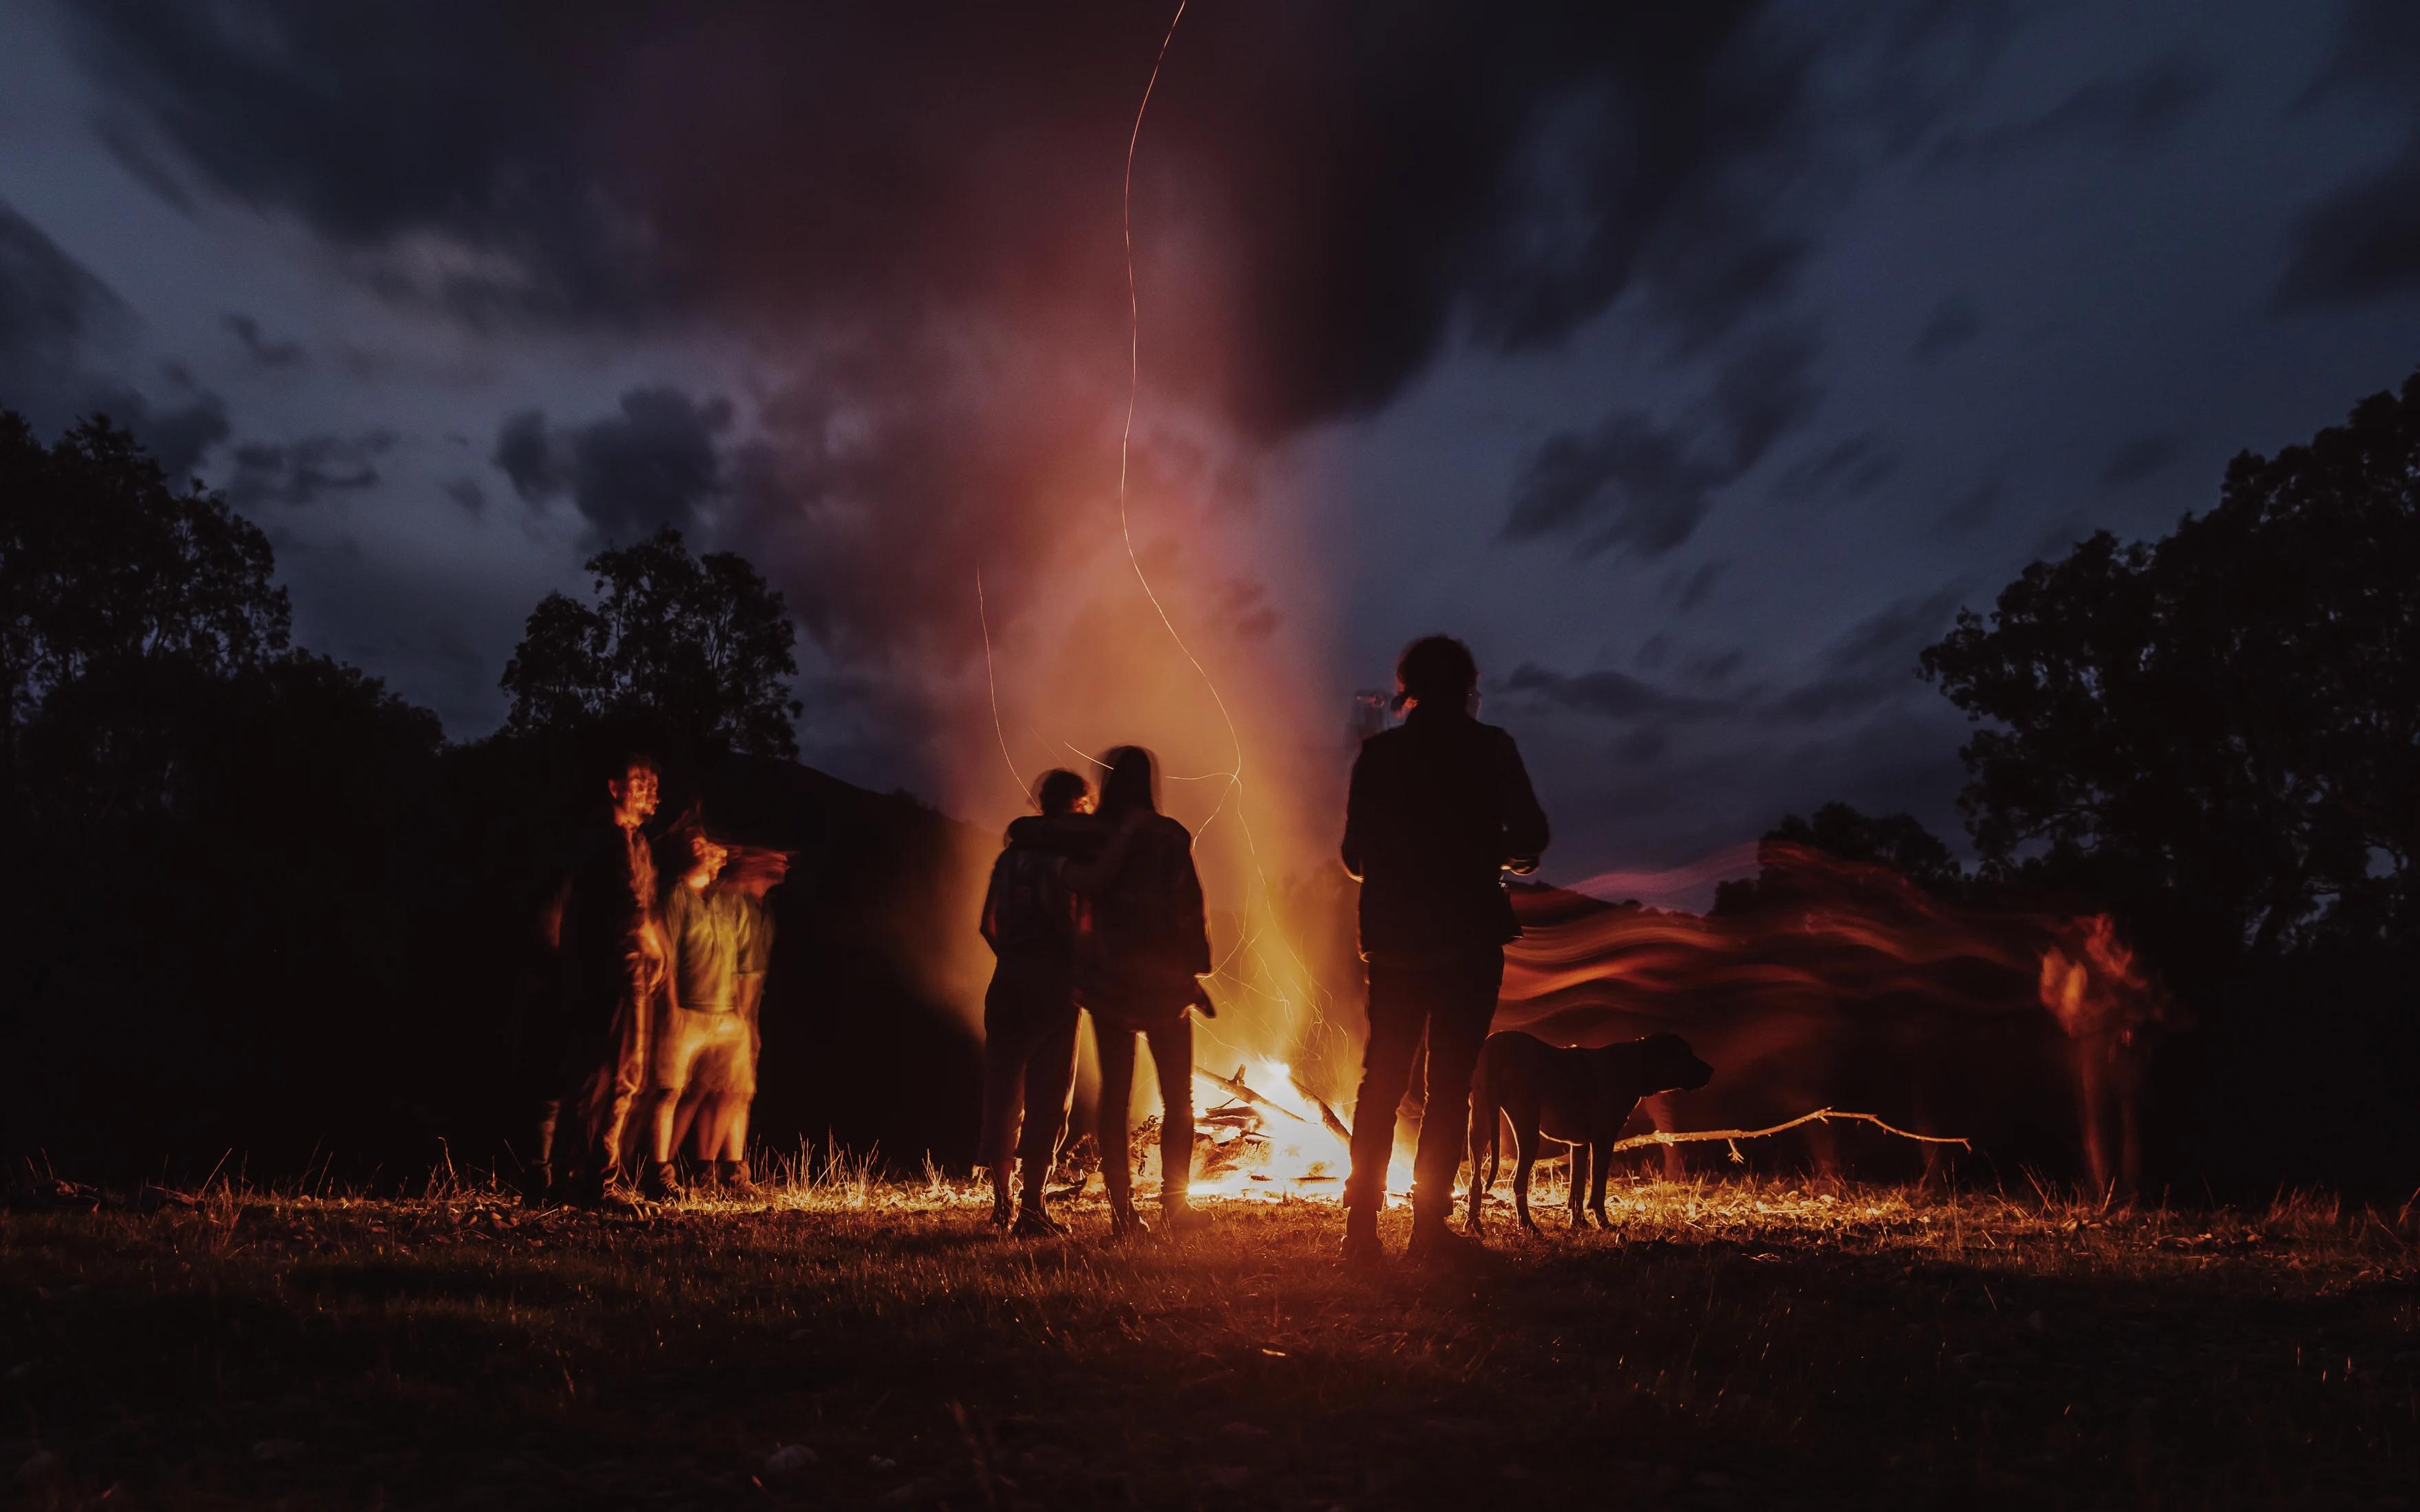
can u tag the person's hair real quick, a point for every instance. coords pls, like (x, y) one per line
(1133, 781)
(1437, 668)
(640, 759)
(1060, 791)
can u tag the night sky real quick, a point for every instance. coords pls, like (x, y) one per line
(1695, 362)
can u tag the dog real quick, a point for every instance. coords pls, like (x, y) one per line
(1581, 1097)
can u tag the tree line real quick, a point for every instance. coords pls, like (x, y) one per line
(262, 902)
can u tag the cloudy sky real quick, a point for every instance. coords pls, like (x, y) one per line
(1695, 362)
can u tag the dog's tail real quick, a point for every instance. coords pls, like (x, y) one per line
(1485, 1124)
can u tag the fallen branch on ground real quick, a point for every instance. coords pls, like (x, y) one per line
(1688, 1136)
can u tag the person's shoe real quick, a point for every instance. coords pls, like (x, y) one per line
(537, 1187)
(1361, 1247)
(613, 1197)
(736, 1183)
(1035, 1222)
(1436, 1247)
(659, 1184)
(1179, 1216)
(1124, 1223)
(1004, 1212)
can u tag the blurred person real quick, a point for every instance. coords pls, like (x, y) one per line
(1142, 976)
(1439, 809)
(612, 958)
(702, 1039)
(721, 1088)
(1031, 917)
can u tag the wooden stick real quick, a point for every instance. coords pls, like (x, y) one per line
(1235, 1085)
(1659, 1136)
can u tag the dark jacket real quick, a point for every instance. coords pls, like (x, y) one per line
(1439, 808)
(612, 901)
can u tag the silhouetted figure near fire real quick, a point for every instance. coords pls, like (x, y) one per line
(1143, 977)
(1030, 919)
(1439, 809)
(613, 959)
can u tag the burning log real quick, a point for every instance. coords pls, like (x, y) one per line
(1326, 1115)
(1235, 1085)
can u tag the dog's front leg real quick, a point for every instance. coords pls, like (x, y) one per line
(1580, 1182)
(1596, 1187)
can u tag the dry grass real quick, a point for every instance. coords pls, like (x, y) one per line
(1727, 1345)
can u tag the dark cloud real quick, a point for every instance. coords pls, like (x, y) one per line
(1714, 667)
(953, 158)
(1955, 322)
(657, 462)
(300, 471)
(1874, 663)
(263, 351)
(2134, 109)
(50, 305)
(1849, 468)
(1643, 484)
(1689, 591)
(1974, 509)
(1608, 694)
(467, 493)
(2361, 244)
(60, 328)
(2144, 456)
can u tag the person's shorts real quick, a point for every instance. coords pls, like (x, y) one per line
(698, 1052)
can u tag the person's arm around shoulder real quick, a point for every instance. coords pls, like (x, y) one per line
(1356, 816)
(1090, 877)
(1190, 898)
(990, 921)
(1517, 809)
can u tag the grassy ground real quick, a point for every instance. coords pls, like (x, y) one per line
(857, 1344)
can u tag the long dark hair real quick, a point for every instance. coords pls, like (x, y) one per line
(1133, 781)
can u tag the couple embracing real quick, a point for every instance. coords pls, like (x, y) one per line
(1098, 905)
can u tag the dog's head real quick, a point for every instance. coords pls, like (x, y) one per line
(1670, 1066)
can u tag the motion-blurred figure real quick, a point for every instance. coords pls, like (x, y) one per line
(721, 1091)
(612, 958)
(704, 1043)
(1031, 919)
(1142, 977)
(1439, 809)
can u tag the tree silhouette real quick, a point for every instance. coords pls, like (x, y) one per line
(109, 577)
(2220, 729)
(701, 645)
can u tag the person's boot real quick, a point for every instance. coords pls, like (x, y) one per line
(1002, 1212)
(604, 1191)
(736, 1183)
(1361, 1246)
(660, 1184)
(1435, 1245)
(1034, 1221)
(537, 1185)
(1124, 1223)
(1178, 1214)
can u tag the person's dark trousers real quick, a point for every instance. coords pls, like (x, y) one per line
(1028, 1062)
(1171, 1057)
(1453, 1001)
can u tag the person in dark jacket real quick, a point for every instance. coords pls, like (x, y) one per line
(1439, 809)
(1143, 977)
(1030, 919)
(613, 959)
